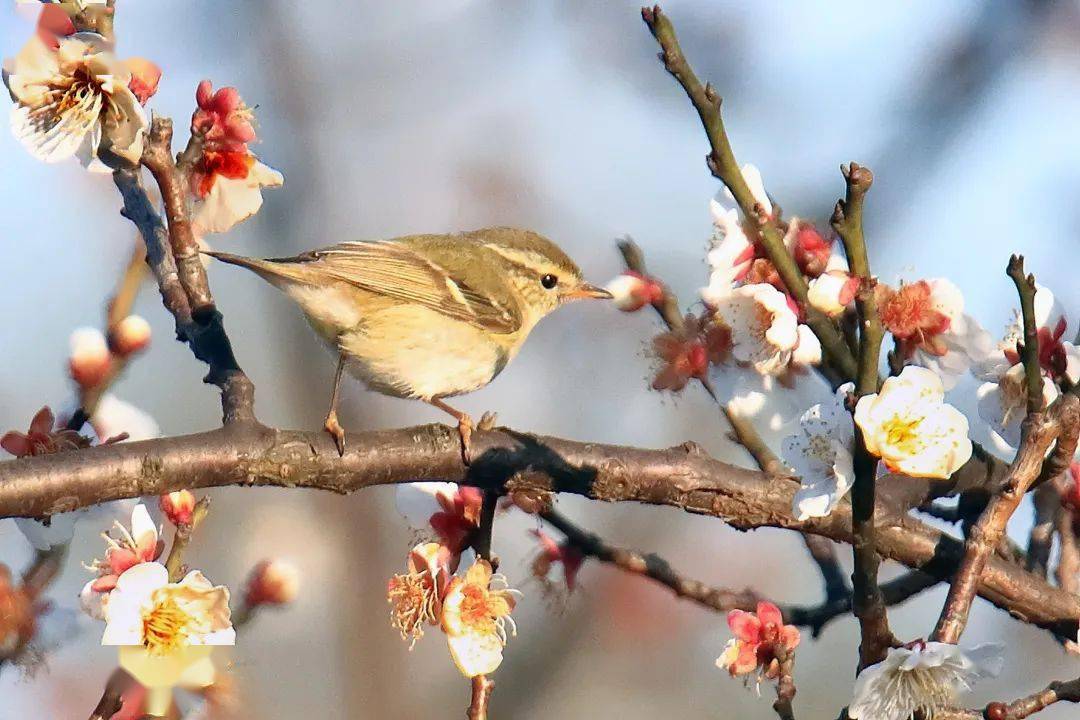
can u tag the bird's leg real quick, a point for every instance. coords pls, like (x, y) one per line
(465, 426)
(332, 425)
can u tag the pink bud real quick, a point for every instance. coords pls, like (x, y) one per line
(179, 507)
(272, 582)
(145, 76)
(130, 335)
(632, 291)
(90, 358)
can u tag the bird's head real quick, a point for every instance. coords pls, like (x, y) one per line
(542, 274)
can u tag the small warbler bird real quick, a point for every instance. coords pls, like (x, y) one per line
(426, 316)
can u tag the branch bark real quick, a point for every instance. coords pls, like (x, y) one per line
(248, 454)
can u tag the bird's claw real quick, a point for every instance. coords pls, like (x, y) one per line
(465, 431)
(487, 421)
(337, 432)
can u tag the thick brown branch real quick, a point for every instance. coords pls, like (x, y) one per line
(1056, 692)
(248, 454)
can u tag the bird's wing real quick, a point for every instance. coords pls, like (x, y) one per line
(394, 270)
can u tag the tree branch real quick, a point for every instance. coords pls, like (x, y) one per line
(722, 163)
(1039, 431)
(248, 454)
(1029, 349)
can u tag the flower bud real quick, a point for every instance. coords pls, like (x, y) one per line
(832, 291)
(130, 335)
(179, 507)
(145, 76)
(632, 291)
(811, 249)
(90, 358)
(272, 582)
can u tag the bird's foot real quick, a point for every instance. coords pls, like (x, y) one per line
(337, 432)
(465, 430)
(487, 421)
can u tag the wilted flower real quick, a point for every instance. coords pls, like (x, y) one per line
(909, 426)
(632, 291)
(758, 636)
(74, 98)
(475, 612)
(820, 452)
(921, 677)
(272, 582)
(416, 596)
(43, 438)
(178, 507)
(450, 511)
(919, 312)
(552, 552)
(687, 352)
(167, 631)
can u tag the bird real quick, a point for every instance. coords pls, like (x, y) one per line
(429, 316)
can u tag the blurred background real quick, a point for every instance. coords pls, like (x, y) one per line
(437, 115)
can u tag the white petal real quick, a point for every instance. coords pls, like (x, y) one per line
(417, 502)
(808, 351)
(143, 528)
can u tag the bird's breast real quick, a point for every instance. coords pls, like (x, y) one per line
(412, 351)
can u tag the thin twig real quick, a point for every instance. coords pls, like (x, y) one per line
(1047, 503)
(651, 566)
(869, 605)
(785, 682)
(482, 686)
(1029, 349)
(174, 563)
(722, 164)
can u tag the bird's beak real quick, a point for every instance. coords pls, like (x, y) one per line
(588, 291)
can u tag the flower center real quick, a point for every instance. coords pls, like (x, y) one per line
(414, 602)
(476, 611)
(165, 627)
(902, 433)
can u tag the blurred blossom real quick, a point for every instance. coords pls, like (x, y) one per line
(820, 453)
(89, 358)
(552, 553)
(445, 511)
(131, 335)
(910, 427)
(272, 582)
(687, 352)
(922, 677)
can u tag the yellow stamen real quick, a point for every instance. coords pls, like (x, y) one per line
(165, 626)
(902, 434)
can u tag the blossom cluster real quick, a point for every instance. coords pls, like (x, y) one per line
(472, 609)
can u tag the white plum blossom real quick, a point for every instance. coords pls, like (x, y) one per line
(922, 677)
(167, 631)
(230, 200)
(820, 453)
(832, 291)
(1003, 400)
(765, 330)
(752, 176)
(911, 428)
(74, 99)
(730, 254)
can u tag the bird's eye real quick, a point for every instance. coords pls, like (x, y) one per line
(549, 281)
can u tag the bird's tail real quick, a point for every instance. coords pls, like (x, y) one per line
(277, 273)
